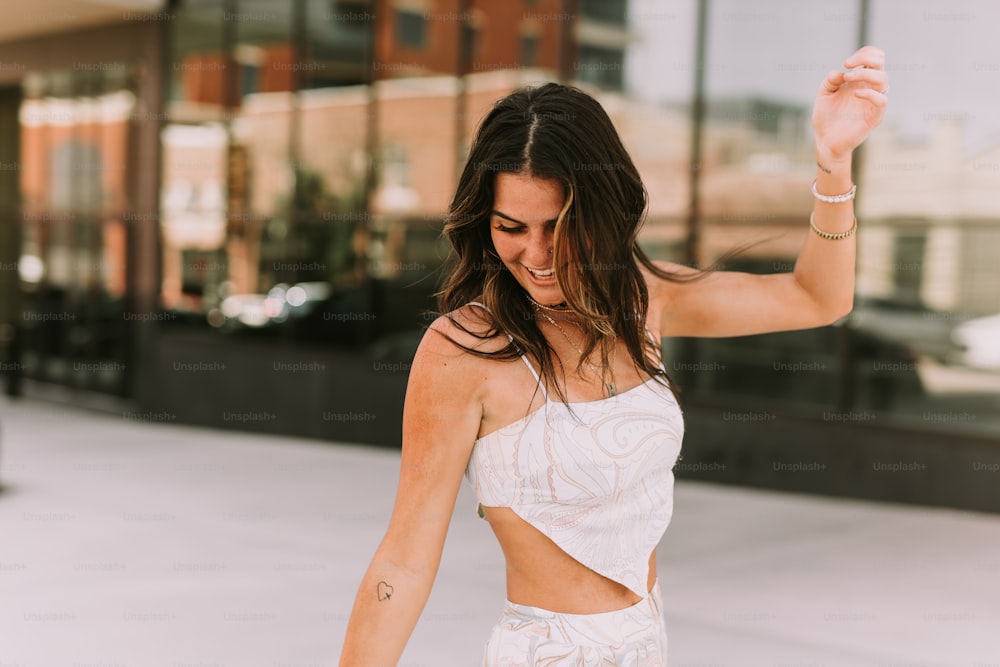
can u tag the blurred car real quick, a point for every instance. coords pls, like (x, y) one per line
(980, 340)
(281, 302)
(924, 332)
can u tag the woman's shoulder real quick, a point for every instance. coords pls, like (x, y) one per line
(469, 327)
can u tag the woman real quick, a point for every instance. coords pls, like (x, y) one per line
(542, 383)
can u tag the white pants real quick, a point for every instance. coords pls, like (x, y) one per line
(531, 637)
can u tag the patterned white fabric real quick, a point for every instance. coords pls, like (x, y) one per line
(531, 637)
(595, 477)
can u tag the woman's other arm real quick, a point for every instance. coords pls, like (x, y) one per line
(441, 417)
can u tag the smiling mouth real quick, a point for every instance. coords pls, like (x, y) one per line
(547, 273)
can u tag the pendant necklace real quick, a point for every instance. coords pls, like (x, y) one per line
(609, 386)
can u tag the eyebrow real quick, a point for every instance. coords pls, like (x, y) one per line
(507, 217)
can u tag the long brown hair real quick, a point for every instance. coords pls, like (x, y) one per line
(555, 132)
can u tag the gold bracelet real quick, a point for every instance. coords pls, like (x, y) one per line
(833, 237)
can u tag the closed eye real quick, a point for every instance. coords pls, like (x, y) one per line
(509, 230)
(497, 215)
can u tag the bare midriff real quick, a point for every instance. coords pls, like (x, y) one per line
(540, 574)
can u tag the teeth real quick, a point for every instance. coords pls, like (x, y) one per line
(542, 274)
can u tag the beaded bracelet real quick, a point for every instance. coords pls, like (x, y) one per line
(833, 237)
(835, 199)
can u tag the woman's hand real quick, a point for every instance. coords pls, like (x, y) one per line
(849, 105)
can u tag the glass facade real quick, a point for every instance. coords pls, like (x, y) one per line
(928, 287)
(318, 187)
(309, 150)
(919, 350)
(755, 167)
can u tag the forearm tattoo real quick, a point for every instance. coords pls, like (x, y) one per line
(384, 591)
(823, 168)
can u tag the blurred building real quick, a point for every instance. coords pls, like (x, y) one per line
(228, 212)
(204, 172)
(935, 245)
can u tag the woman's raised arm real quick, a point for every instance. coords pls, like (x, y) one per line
(849, 105)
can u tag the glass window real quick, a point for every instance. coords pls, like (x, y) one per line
(75, 187)
(660, 106)
(529, 50)
(928, 289)
(411, 29)
(311, 209)
(229, 158)
(754, 176)
(600, 66)
(338, 40)
(607, 11)
(197, 71)
(470, 43)
(418, 130)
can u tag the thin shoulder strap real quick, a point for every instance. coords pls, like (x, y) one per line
(538, 379)
(658, 344)
(651, 336)
(524, 358)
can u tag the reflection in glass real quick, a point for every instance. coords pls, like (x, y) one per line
(928, 279)
(74, 180)
(298, 195)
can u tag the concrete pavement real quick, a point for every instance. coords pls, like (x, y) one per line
(126, 540)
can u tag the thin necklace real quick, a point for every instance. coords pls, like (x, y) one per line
(558, 308)
(610, 386)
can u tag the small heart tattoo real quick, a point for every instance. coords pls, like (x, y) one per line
(384, 591)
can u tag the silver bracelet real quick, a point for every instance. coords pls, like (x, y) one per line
(835, 199)
(833, 237)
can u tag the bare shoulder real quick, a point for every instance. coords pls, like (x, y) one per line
(444, 357)
(469, 327)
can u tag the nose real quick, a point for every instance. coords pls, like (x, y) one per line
(538, 253)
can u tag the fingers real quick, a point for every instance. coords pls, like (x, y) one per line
(875, 79)
(833, 81)
(859, 79)
(871, 57)
(867, 69)
(873, 96)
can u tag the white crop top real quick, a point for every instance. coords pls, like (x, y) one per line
(599, 485)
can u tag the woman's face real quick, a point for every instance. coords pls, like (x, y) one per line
(522, 224)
